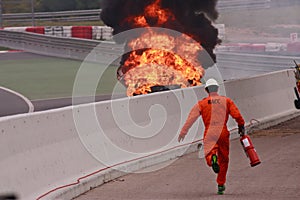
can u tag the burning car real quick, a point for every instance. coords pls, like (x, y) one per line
(157, 59)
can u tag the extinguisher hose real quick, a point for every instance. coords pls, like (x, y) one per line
(297, 94)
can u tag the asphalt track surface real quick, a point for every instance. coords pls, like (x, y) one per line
(277, 177)
(14, 105)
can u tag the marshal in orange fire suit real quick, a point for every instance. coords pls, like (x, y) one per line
(215, 111)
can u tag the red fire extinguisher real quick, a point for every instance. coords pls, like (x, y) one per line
(250, 150)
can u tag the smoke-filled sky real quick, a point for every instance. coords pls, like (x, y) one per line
(193, 17)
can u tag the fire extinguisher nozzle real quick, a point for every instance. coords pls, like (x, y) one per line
(255, 164)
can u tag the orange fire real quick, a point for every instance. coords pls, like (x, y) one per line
(164, 59)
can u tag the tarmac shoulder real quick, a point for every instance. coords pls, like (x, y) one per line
(277, 177)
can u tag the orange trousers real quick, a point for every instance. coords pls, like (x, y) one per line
(220, 147)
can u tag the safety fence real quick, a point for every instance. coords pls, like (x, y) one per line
(62, 153)
(76, 15)
(290, 48)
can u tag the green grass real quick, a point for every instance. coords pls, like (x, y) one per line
(48, 78)
(4, 48)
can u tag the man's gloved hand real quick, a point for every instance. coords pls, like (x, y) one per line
(181, 138)
(242, 130)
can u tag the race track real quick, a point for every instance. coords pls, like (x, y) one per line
(12, 104)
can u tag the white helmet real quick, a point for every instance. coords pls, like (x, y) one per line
(211, 82)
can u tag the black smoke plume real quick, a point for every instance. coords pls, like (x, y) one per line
(193, 17)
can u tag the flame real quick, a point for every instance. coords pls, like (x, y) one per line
(166, 60)
(154, 11)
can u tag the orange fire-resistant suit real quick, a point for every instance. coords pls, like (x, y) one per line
(215, 110)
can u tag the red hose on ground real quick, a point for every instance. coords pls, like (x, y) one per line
(128, 161)
(109, 167)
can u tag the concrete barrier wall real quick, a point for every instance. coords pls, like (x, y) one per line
(266, 95)
(268, 98)
(45, 155)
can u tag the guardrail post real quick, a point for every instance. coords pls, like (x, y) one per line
(1, 18)
(32, 13)
(101, 34)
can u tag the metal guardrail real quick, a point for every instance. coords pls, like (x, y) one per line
(80, 15)
(72, 48)
(264, 61)
(65, 19)
(238, 65)
(53, 14)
